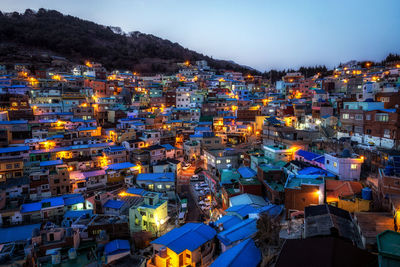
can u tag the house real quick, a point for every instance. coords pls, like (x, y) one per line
(191, 149)
(310, 157)
(227, 221)
(157, 153)
(150, 215)
(18, 234)
(116, 249)
(49, 208)
(326, 220)
(59, 181)
(276, 153)
(191, 244)
(121, 172)
(237, 233)
(157, 182)
(302, 191)
(243, 254)
(133, 144)
(345, 165)
(273, 180)
(242, 211)
(168, 165)
(346, 195)
(170, 151)
(245, 199)
(113, 207)
(50, 237)
(91, 227)
(217, 159)
(93, 180)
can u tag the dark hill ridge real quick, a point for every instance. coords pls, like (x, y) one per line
(79, 40)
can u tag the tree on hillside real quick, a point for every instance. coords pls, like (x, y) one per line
(267, 238)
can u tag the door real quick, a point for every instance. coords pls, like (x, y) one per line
(181, 259)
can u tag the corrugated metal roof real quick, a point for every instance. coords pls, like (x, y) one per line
(190, 236)
(243, 254)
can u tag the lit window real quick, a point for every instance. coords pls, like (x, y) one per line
(228, 160)
(218, 161)
(345, 116)
(353, 166)
(335, 164)
(159, 186)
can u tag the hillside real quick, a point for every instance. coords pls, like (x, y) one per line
(31, 33)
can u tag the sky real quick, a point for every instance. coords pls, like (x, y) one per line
(262, 34)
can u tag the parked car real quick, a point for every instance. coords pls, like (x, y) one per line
(195, 178)
(367, 146)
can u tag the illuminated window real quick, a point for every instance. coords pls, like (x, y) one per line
(345, 116)
(353, 166)
(228, 161)
(218, 161)
(335, 164)
(159, 186)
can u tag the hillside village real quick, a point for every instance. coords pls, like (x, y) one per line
(204, 167)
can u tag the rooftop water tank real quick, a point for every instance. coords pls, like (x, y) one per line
(366, 193)
(163, 252)
(72, 253)
(56, 258)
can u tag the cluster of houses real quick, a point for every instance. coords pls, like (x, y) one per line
(98, 167)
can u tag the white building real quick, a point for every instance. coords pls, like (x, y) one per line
(183, 95)
(345, 166)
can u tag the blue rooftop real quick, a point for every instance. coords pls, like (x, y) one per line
(113, 204)
(204, 129)
(73, 214)
(168, 147)
(136, 191)
(44, 203)
(86, 128)
(73, 199)
(307, 155)
(156, 177)
(31, 207)
(14, 149)
(51, 163)
(116, 148)
(315, 171)
(247, 172)
(240, 231)
(13, 122)
(17, 233)
(228, 221)
(117, 246)
(243, 254)
(190, 236)
(242, 210)
(120, 166)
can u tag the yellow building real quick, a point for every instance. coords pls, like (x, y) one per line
(189, 245)
(151, 215)
(11, 168)
(354, 204)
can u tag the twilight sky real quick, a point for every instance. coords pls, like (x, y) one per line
(262, 34)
